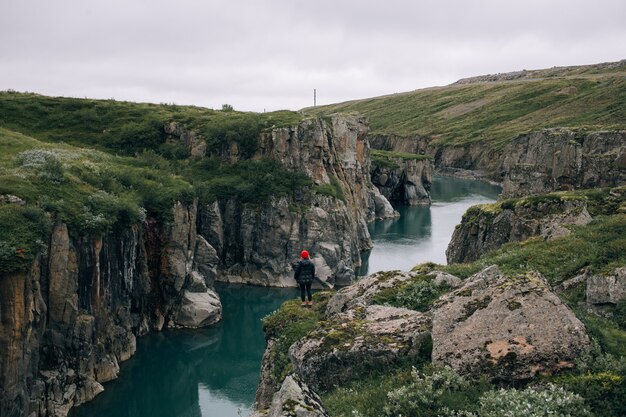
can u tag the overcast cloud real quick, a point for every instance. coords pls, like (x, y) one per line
(271, 54)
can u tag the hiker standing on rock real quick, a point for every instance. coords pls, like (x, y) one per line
(304, 275)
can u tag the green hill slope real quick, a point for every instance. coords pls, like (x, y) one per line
(127, 128)
(495, 109)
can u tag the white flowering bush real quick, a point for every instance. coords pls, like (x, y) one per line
(46, 163)
(35, 158)
(550, 401)
(428, 394)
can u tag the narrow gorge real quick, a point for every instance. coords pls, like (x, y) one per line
(76, 312)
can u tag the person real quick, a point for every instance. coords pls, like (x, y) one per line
(304, 275)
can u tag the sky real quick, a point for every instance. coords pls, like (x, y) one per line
(266, 55)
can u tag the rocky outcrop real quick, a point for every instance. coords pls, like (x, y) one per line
(294, 398)
(405, 181)
(194, 143)
(490, 325)
(496, 325)
(360, 340)
(259, 244)
(485, 228)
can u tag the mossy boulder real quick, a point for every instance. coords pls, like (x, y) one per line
(358, 341)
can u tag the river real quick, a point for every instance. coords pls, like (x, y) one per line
(214, 372)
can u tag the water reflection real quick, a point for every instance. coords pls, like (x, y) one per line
(423, 233)
(207, 372)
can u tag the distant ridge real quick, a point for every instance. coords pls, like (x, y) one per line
(602, 68)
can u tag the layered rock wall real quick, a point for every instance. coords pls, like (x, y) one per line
(407, 182)
(534, 163)
(547, 160)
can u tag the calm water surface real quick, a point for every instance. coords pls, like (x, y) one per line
(214, 372)
(422, 233)
(209, 372)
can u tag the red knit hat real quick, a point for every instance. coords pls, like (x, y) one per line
(304, 254)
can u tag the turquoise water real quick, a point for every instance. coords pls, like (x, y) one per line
(422, 233)
(214, 372)
(191, 373)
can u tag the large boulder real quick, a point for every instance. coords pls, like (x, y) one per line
(199, 309)
(508, 328)
(357, 341)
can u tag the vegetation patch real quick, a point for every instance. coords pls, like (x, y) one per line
(389, 159)
(418, 293)
(333, 189)
(29, 231)
(129, 128)
(599, 246)
(289, 324)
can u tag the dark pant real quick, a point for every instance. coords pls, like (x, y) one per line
(306, 287)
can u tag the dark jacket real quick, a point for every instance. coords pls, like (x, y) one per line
(305, 272)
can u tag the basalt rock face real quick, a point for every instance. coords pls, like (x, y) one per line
(411, 144)
(66, 324)
(507, 328)
(486, 228)
(407, 183)
(258, 245)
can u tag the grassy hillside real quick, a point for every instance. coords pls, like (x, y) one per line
(100, 164)
(581, 98)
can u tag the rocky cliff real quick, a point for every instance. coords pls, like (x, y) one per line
(258, 244)
(534, 163)
(404, 181)
(487, 227)
(547, 160)
(484, 228)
